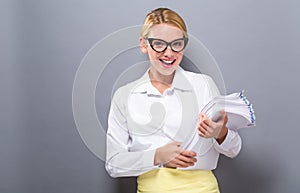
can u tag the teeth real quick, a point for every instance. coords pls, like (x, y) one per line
(168, 61)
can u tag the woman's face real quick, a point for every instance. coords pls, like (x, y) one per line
(163, 62)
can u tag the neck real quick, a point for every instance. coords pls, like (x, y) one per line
(160, 81)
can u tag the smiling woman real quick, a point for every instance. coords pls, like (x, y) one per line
(144, 124)
(163, 38)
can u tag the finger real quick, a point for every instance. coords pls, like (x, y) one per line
(204, 116)
(176, 163)
(202, 133)
(182, 164)
(209, 129)
(225, 118)
(210, 125)
(204, 125)
(205, 131)
(187, 159)
(189, 153)
(170, 164)
(201, 116)
(201, 130)
(224, 114)
(198, 124)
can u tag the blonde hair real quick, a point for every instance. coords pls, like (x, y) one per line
(163, 15)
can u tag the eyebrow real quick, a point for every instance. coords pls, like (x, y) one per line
(165, 40)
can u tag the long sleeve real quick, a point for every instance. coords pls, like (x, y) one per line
(120, 161)
(232, 144)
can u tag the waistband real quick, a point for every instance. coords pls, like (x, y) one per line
(167, 180)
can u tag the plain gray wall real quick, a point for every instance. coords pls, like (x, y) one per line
(256, 44)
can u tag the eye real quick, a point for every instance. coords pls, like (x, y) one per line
(158, 43)
(177, 44)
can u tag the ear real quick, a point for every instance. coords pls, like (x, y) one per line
(143, 45)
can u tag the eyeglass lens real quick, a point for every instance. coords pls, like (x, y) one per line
(159, 45)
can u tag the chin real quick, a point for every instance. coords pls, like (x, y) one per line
(168, 71)
(164, 69)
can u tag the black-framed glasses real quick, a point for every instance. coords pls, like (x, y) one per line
(160, 45)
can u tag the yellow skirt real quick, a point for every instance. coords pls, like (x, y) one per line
(167, 180)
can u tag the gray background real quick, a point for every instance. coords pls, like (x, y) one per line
(256, 44)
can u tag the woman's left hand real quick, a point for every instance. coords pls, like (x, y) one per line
(210, 129)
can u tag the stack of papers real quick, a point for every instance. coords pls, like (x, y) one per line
(239, 111)
(238, 108)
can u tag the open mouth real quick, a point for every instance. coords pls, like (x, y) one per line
(168, 62)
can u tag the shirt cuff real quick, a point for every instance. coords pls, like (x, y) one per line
(226, 144)
(148, 158)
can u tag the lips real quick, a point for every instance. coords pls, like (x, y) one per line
(167, 63)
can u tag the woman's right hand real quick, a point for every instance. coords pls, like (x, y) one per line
(172, 156)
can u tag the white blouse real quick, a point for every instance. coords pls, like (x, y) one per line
(141, 119)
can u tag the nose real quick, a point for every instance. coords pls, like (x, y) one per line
(168, 52)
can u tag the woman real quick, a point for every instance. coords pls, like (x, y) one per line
(145, 143)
